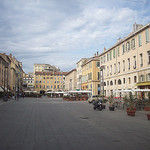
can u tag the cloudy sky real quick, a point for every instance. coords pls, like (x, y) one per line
(61, 32)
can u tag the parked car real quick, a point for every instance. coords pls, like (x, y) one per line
(93, 98)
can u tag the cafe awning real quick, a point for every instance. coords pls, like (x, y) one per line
(142, 83)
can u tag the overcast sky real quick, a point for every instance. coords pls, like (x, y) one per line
(61, 32)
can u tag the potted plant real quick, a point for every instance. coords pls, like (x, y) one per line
(148, 108)
(111, 103)
(103, 101)
(129, 101)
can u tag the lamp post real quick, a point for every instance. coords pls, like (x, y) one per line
(5, 96)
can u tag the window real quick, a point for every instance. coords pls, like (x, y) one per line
(36, 81)
(128, 46)
(141, 78)
(104, 58)
(47, 77)
(129, 80)
(98, 76)
(148, 77)
(134, 62)
(110, 69)
(115, 82)
(135, 79)
(90, 76)
(107, 70)
(123, 65)
(114, 53)
(47, 87)
(107, 56)
(51, 86)
(40, 86)
(118, 52)
(107, 83)
(110, 55)
(123, 80)
(140, 40)
(36, 86)
(123, 50)
(44, 86)
(147, 35)
(118, 67)
(43, 77)
(148, 53)
(141, 60)
(119, 82)
(114, 68)
(54, 86)
(133, 43)
(128, 63)
(43, 81)
(97, 64)
(111, 83)
(57, 86)
(47, 81)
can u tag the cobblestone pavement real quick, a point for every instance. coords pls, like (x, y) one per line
(54, 124)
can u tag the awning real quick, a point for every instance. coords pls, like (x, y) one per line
(80, 91)
(143, 83)
(141, 90)
(61, 92)
(119, 91)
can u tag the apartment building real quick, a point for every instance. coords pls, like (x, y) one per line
(79, 71)
(71, 80)
(126, 65)
(49, 81)
(45, 68)
(28, 81)
(4, 72)
(11, 73)
(91, 76)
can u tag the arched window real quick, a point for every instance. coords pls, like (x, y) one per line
(104, 83)
(129, 80)
(119, 82)
(111, 83)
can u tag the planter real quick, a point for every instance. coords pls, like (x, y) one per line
(131, 112)
(103, 106)
(147, 108)
(148, 116)
(111, 108)
(134, 108)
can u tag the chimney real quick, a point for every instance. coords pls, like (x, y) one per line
(134, 25)
(97, 53)
(104, 49)
(94, 54)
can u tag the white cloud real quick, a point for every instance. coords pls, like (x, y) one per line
(46, 32)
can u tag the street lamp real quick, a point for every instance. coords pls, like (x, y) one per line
(5, 96)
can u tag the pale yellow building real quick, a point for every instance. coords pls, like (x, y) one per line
(71, 80)
(11, 73)
(90, 75)
(5, 80)
(45, 68)
(79, 71)
(16, 85)
(127, 63)
(49, 81)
